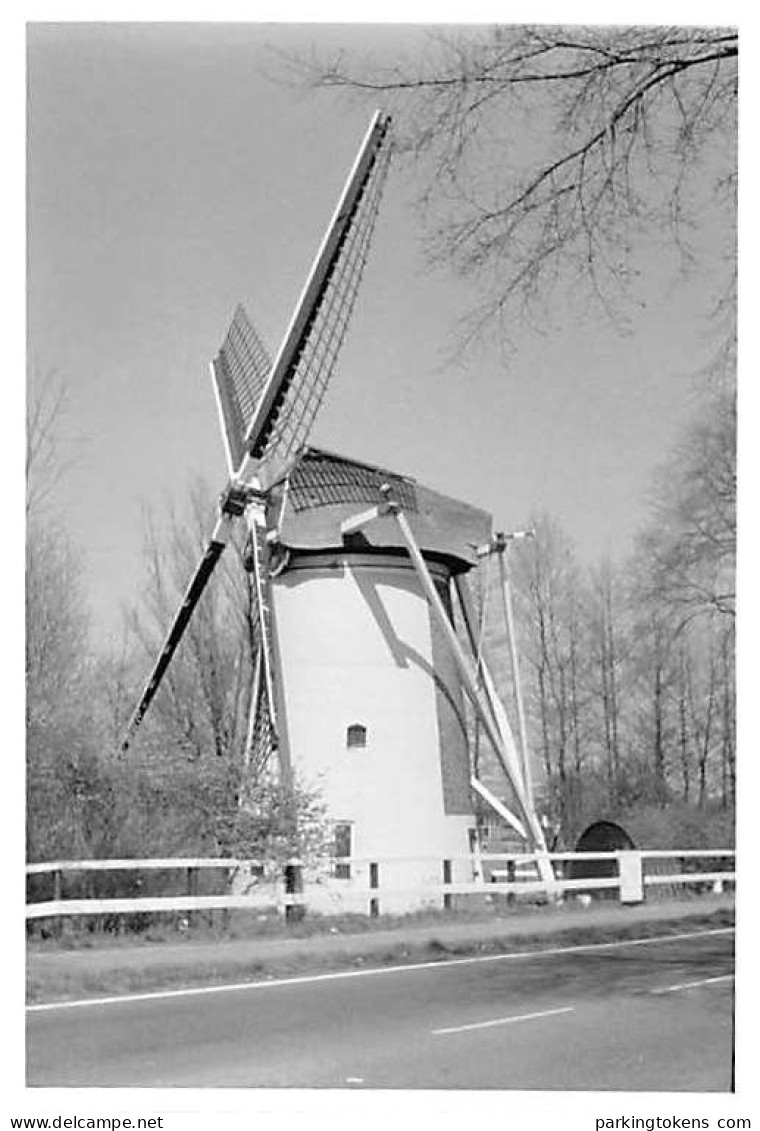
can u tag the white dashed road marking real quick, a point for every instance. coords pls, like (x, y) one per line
(692, 985)
(502, 1021)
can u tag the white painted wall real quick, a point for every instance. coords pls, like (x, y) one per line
(355, 644)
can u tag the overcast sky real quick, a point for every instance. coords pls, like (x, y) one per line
(170, 178)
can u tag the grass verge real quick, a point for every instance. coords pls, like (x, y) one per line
(61, 975)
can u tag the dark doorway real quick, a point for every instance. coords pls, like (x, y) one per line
(602, 836)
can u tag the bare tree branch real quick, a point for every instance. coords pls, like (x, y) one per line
(542, 151)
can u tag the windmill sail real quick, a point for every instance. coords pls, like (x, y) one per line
(262, 742)
(262, 734)
(240, 371)
(200, 579)
(307, 356)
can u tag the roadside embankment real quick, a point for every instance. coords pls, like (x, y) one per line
(57, 974)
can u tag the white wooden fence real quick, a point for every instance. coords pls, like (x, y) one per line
(494, 875)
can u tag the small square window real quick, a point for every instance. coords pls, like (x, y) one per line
(356, 737)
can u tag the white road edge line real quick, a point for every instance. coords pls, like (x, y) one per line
(372, 971)
(502, 1021)
(691, 985)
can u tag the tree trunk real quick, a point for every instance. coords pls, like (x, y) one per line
(704, 751)
(575, 722)
(661, 788)
(683, 733)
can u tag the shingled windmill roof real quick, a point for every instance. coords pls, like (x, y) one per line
(324, 489)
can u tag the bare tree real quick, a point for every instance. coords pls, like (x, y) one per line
(57, 622)
(608, 663)
(56, 615)
(68, 807)
(691, 538)
(547, 150)
(703, 721)
(61, 767)
(651, 688)
(549, 601)
(684, 734)
(728, 717)
(48, 451)
(630, 709)
(203, 707)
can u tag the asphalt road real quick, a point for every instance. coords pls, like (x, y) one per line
(653, 1017)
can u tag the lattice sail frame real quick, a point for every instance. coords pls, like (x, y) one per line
(262, 740)
(240, 371)
(242, 366)
(316, 363)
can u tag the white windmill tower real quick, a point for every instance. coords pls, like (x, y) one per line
(360, 678)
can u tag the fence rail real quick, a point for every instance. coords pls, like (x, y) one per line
(367, 887)
(168, 863)
(138, 865)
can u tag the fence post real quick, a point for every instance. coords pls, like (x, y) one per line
(57, 892)
(294, 886)
(631, 878)
(374, 883)
(192, 890)
(446, 880)
(511, 878)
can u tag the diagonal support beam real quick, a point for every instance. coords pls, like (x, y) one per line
(488, 706)
(497, 707)
(506, 754)
(499, 807)
(466, 668)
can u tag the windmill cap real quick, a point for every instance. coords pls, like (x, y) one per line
(324, 489)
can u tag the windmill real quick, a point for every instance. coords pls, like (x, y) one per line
(354, 617)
